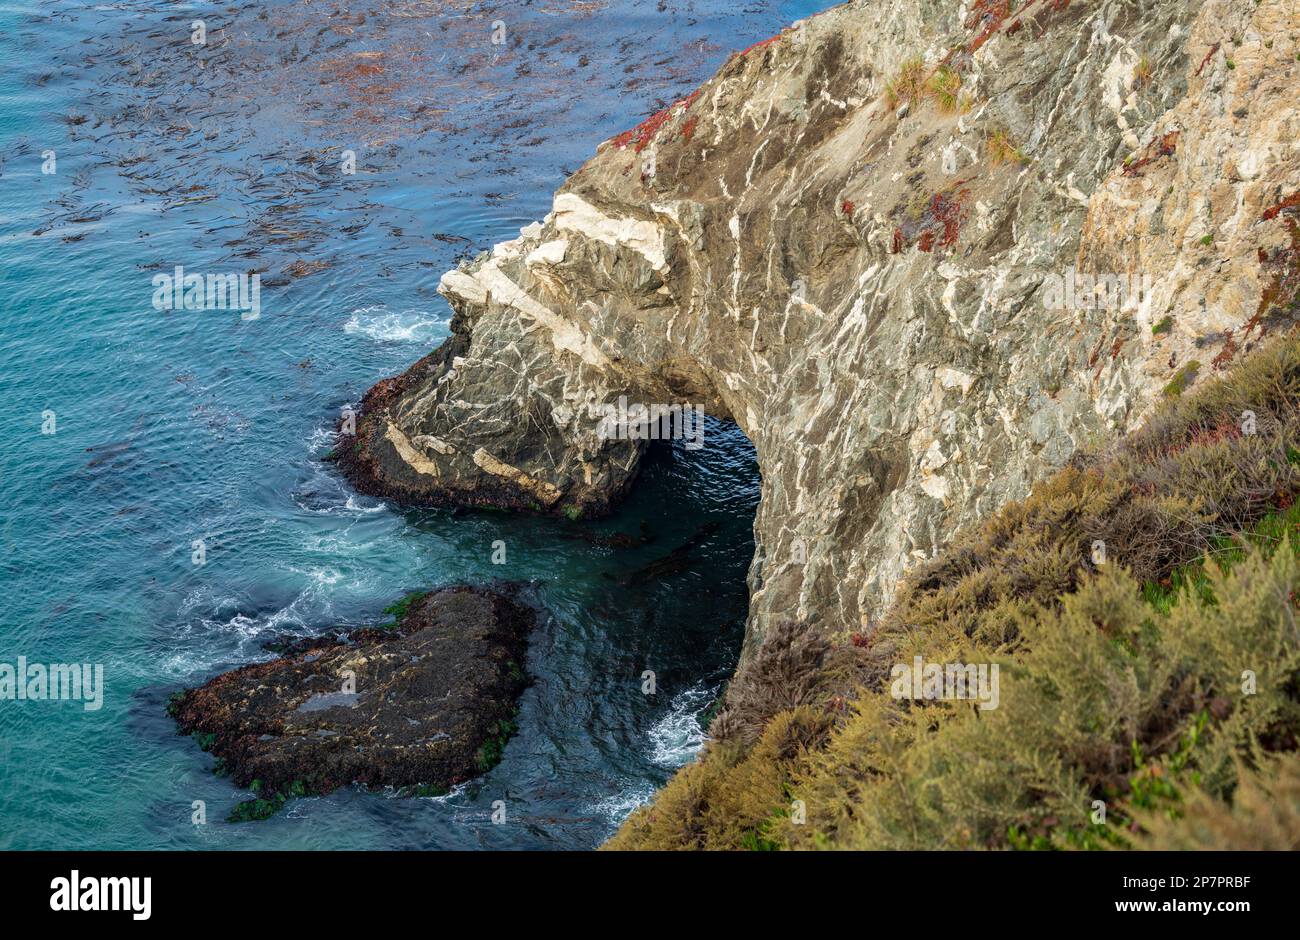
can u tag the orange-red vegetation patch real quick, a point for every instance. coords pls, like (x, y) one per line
(1208, 56)
(1290, 202)
(358, 76)
(1282, 295)
(1279, 302)
(987, 16)
(1227, 429)
(301, 268)
(641, 135)
(938, 226)
(761, 45)
(348, 70)
(1162, 146)
(1226, 354)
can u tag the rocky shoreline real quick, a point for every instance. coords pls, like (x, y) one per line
(421, 704)
(895, 244)
(851, 242)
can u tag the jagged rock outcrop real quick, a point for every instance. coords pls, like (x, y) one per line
(859, 241)
(426, 702)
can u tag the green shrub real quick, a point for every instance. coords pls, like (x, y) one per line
(1263, 814)
(1182, 379)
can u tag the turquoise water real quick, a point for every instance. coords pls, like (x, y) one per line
(176, 426)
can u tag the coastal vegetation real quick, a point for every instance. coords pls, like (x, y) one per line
(1142, 604)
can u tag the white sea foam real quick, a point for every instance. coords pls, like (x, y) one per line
(353, 505)
(322, 438)
(239, 635)
(677, 737)
(619, 806)
(394, 326)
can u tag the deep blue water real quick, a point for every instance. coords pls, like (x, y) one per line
(176, 426)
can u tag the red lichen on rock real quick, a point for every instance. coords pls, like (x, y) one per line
(938, 226)
(1290, 202)
(1096, 352)
(1162, 146)
(760, 45)
(949, 212)
(641, 135)
(988, 17)
(1208, 56)
(1282, 296)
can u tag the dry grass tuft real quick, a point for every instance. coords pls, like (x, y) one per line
(1142, 72)
(908, 85)
(1001, 150)
(943, 87)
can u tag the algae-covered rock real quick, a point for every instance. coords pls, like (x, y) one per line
(426, 703)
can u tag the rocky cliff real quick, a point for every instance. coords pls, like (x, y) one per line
(919, 251)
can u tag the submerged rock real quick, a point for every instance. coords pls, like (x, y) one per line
(426, 703)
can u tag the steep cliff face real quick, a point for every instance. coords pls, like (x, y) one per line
(860, 241)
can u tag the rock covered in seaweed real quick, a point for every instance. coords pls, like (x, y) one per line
(426, 703)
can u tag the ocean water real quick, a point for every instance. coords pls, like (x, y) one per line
(176, 427)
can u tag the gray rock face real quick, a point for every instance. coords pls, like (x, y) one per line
(859, 241)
